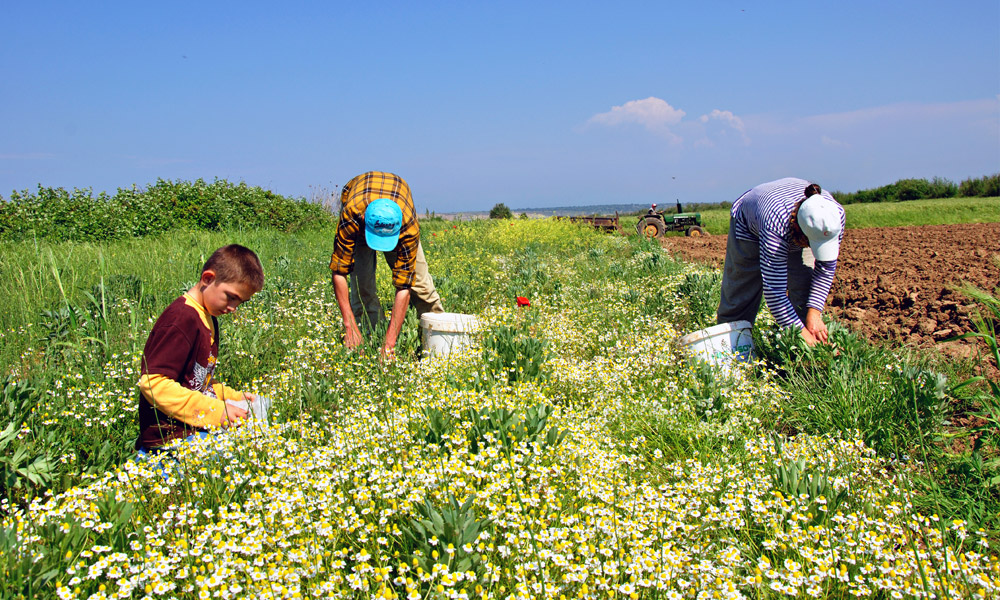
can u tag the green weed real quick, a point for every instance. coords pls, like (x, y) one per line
(514, 354)
(445, 534)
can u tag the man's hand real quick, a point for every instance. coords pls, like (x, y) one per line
(388, 354)
(352, 336)
(816, 326)
(399, 305)
(809, 338)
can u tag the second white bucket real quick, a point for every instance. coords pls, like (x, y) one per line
(443, 333)
(722, 344)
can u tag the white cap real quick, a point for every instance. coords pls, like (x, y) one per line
(819, 219)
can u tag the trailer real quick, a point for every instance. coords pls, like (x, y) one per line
(608, 224)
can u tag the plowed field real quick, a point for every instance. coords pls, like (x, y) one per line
(897, 283)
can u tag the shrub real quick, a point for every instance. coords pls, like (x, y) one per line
(56, 214)
(985, 187)
(912, 189)
(500, 211)
(922, 189)
(942, 188)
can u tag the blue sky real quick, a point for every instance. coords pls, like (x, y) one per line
(532, 104)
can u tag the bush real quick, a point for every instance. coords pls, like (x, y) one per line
(922, 189)
(56, 214)
(984, 187)
(942, 188)
(500, 211)
(912, 189)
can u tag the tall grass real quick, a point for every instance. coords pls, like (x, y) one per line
(38, 277)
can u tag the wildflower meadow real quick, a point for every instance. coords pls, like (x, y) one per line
(573, 450)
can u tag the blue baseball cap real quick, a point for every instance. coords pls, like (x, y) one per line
(383, 219)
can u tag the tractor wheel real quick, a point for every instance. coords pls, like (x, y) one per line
(695, 231)
(650, 228)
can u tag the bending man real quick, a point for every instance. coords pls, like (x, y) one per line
(770, 226)
(377, 214)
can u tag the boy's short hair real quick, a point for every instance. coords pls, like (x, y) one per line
(236, 264)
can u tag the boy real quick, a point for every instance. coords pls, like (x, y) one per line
(178, 397)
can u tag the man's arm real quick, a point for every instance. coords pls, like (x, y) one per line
(399, 306)
(352, 335)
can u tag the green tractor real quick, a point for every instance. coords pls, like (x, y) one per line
(654, 223)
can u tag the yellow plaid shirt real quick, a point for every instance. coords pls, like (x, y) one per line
(354, 199)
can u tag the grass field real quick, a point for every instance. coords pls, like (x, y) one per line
(945, 211)
(572, 451)
(948, 211)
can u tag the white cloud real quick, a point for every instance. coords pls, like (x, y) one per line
(728, 118)
(832, 143)
(974, 119)
(652, 113)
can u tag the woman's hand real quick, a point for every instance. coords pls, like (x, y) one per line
(815, 326)
(809, 338)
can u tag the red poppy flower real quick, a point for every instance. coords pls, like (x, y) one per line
(523, 302)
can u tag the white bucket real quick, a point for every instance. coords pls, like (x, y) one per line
(444, 332)
(722, 344)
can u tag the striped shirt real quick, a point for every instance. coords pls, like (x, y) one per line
(763, 215)
(354, 199)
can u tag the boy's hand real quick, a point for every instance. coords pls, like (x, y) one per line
(233, 416)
